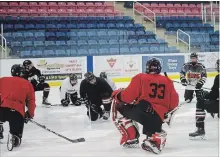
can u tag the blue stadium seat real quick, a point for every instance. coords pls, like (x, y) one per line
(71, 26)
(83, 52)
(110, 33)
(72, 52)
(71, 43)
(19, 27)
(154, 49)
(18, 36)
(102, 42)
(61, 53)
(38, 43)
(124, 50)
(37, 53)
(81, 42)
(104, 51)
(61, 26)
(134, 50)
(49, 53)
(29, 36)
(132, 41)
(40, 26)
(27, 43)
(60, 43)
(29, 26)
(25, 54)
(39, 35)
(114, 50)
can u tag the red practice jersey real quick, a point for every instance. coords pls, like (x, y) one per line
(15, 93)
(154, 88)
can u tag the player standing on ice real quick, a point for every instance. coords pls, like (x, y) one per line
(193, 76)
(15, 94)
(33, 74)
(208, 101)
(109, 81)
(69, 91)
(154, 96)
(96, 92)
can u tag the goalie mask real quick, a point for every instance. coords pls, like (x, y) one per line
(153, 66)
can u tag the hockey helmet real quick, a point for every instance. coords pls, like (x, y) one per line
(217, 65)
(27, 64)
(73, 78)
(103, 75)
(90, 77)
(17, 70)
(153, 65)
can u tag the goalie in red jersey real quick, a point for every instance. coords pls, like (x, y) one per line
(146, 100)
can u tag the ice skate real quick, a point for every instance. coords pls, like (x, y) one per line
(106, 115)
(45, 102)
(13, 141)
(198, 134)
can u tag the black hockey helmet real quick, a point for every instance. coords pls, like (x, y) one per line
(27, 64)
(73, 78)
(194, 55)
(89, 76)
(153, 65)
(217, 65)
(103, 75)
(17, 70)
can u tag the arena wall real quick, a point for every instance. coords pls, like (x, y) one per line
(120, 68)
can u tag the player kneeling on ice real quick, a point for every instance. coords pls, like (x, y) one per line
(69, 91)
(15, 93)
(96, 92)
(109, 81)
(37, 80)
(208, 101)
(153, 96)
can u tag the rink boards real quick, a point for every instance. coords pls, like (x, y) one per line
(121, 68)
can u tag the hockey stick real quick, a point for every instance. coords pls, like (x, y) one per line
(171, 114)
(71, 140)
(165, 73)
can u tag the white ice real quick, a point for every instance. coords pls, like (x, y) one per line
(102, 138)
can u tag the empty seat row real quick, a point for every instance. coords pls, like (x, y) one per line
(59, 12)
(101, 51)
(79, 33)
(170, 5)
(209, 48)
(8, 27)
(52, 3)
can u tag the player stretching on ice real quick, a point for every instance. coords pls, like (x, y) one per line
(196, 76)
(155, 96)
(32, 74)
(208, 101)
(69, 91)
(109, 81)
(15, 93)
(96, 92)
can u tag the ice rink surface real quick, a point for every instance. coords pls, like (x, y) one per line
(102, 138)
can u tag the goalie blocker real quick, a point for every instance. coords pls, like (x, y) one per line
(154, 96)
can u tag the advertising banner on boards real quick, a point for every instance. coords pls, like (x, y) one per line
(117, 66)
(52, 68)
(168, 63)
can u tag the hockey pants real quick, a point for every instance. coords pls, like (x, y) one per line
(151, 121)
(211, 106)
(15, 119)
(188, 95)
(43, 87)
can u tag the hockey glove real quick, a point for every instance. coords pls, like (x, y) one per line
(65, 102)
(27, 117)
(184, 82)
(41, 79)
(199, 85)
(202, 94)
(78, 102)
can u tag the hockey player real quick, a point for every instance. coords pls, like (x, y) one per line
(32, 74)
(154, 95)
(109, 81)
(208, 101)
(96, 92)
(193, 76)
(15, 93)
(69, 91)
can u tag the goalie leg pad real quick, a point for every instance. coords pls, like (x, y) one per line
(128, 131)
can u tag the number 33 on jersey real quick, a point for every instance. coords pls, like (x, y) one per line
(154, 88)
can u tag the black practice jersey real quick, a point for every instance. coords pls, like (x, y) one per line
(214, 93)
(32, 75)
(95, 92)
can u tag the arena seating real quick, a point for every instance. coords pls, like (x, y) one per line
(57, 9)
(77, 36)
(170, 9)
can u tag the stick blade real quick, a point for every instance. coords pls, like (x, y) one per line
(78, 140)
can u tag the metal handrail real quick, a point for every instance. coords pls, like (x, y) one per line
(154, 15)
(189, 44)
(3, 44)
